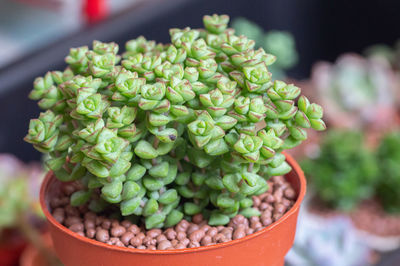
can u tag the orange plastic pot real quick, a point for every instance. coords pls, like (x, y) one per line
(265, 247)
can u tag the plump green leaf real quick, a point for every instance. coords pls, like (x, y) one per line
(80, 197)
(129, 206)
(218, 219)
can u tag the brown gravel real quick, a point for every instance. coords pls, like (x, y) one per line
(370, 217)
(273, 205)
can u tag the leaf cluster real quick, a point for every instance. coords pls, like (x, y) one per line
(279, 43)
(388, 156)
(167, 131)
(345, 171)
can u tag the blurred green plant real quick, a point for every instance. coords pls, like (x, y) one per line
(345, 171)
(165, 131)
(388, 186)
(19, 191)
(13, 202)
(279, 43)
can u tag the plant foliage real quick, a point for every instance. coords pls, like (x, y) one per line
(345, 172)
(163, 131)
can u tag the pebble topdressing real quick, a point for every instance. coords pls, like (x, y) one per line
(273, 205)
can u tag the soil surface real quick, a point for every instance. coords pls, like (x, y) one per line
(371, 217)
(186, 234)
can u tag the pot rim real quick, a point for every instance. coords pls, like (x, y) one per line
(292, 162)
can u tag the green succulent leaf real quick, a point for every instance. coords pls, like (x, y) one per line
(80, 197)
(129, 206)
(173, 218)
(145, 150)
(218, 219)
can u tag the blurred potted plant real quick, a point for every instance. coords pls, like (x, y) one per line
(185, 137)
(279, 43)
(20, 216)
(349, 87)
(379, 218)
(344, 173)
(352, 180)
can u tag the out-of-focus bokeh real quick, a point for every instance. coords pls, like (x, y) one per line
(343, 54)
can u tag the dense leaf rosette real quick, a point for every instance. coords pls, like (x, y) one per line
(43, 132)
(197, 125)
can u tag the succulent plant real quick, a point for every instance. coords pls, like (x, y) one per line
(279, 43)
(164, 132)
(345, 172)
(350, 86)
(388, 158)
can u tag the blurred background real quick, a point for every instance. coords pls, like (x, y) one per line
(343, 54)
